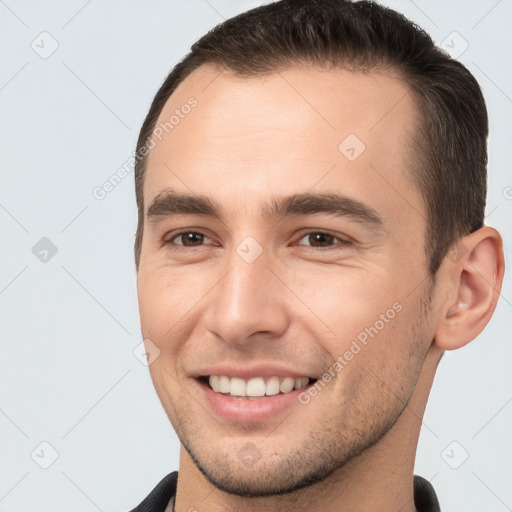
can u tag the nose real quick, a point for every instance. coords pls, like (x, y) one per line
(249, 301)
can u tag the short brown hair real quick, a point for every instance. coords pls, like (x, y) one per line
(449, 160)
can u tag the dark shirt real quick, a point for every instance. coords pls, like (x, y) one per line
(425, 498)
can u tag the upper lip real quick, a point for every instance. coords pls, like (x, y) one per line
(248, 372)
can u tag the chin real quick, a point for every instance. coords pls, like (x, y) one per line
(287, 473)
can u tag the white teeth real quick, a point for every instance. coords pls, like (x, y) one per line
(287, 385)
(255, 387)
(224, 384)
(301, 382)
(214, 383)
(272, 386)
(237, 387)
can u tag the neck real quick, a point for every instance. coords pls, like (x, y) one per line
(380, 478)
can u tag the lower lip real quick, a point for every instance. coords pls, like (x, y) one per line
(246, 410)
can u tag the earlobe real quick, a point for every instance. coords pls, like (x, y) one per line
(475, 284)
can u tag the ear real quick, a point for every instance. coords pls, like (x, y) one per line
(474, 273)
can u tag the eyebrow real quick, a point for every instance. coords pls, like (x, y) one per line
(169, 202)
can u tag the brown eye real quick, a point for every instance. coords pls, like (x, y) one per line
(321, 239)
(187, 239)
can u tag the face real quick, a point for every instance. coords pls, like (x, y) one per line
(283, 258)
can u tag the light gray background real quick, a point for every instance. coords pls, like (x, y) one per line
(69, 326)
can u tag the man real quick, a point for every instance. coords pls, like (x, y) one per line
(311, 185)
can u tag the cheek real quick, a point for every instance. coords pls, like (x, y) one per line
(351, 302)
(169, 300)
(162, 295)
(378, 377)
(150, 305)
(375, 338)
(398, 352)
(158, 308)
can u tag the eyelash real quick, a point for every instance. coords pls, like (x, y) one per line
(180, 247)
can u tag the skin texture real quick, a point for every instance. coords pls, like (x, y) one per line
(300, 304)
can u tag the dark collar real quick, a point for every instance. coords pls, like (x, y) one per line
(425, 499)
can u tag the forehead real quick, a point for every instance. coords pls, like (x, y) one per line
(312, 101)
(289, 131)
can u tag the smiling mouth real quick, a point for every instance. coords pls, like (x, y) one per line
(256, 387)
